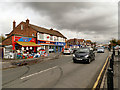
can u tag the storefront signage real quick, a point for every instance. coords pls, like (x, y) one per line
(24, 39)
(60, 43)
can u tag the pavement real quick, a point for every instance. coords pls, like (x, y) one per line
(116, 73)
(19, 62)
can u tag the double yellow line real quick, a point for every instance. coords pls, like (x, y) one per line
(97, 81)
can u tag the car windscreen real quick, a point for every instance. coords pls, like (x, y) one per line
(100, 48)
(66, 49)
(82, 50)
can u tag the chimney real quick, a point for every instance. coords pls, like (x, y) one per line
(27, 21)
(51, 29)
(14, 24)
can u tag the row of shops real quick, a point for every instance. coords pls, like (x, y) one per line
(28, 47)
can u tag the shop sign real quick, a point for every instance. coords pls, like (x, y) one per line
(51, 49)
(24, 39)
(60, 43)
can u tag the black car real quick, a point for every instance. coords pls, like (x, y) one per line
(84, 55)
(74, 50)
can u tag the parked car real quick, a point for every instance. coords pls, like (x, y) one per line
(83, 55)
(117, 47)
(100, 50)
(67, 51)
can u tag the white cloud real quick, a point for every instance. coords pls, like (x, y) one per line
(83, 20)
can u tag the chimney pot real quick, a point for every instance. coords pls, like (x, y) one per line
(27, 21)
(14, 24)
(51, 29)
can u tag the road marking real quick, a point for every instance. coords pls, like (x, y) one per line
(38, 72)
(96, 83)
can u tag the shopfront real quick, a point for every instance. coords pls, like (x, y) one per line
(27, 44)
(47, 45)
(75, 46)
(51, 46)
(59, 46)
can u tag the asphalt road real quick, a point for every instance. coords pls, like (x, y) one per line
(59, 73)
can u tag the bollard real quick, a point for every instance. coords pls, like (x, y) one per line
(111, 64)
(112, 56)
(110, 79)
(113, 51)
(118, 52)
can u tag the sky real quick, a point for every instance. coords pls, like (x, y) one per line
(96, 21)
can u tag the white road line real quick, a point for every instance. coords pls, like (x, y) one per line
(38, 72)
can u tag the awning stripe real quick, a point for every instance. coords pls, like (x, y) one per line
(28, 44)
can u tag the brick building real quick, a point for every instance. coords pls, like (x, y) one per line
(75, 43)
(41, 37)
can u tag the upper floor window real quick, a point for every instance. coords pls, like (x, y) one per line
(41, 36)
(21, 27)
(57, 39)
(33, 35)
(51, 37)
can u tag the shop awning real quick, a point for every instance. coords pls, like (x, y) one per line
(28, 44)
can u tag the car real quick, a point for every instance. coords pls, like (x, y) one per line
(67, 51)
(116, 47)
(83, 54)
(100, 50)
(74, 50)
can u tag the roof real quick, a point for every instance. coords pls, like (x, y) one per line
(28, 44)
(75, 39)
(44, 30)
(89, 41)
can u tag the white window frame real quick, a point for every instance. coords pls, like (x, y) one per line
(21, 26)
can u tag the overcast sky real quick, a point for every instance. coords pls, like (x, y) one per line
(97, 21)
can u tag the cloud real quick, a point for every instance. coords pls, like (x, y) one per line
(89, 19)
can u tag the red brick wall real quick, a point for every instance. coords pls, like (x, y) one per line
(27, 30)
(7, 41)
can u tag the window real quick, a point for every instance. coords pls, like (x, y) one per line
(21, 27)
(33, 35)
(51, 37)
(41, 36)
(57, 38)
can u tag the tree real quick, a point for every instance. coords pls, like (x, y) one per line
(118, 42)
(113, 42)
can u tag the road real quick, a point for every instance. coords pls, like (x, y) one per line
(59, 73)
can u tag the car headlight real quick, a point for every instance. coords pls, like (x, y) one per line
(73, 55)
(86, 56)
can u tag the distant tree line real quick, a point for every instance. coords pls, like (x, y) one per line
(114, 42)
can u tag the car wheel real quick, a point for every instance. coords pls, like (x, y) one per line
(74, 61)
(88, 62)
